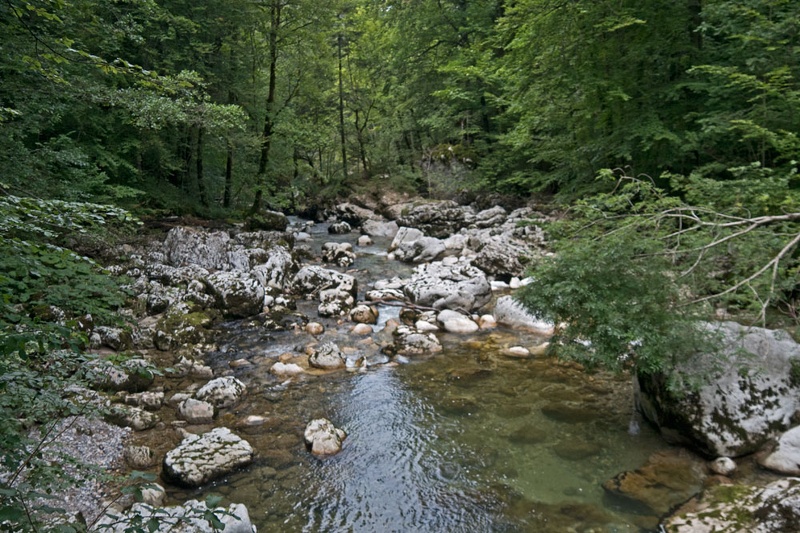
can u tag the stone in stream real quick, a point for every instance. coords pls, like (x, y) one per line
(751, 394)
(199, 459)
(364, 314)
(364, 240)
(458, 287)
(222, 392)
(785, 457)
(724, 466)
(286, 369)
(139, 457)
(327, 357)
(410, 341)
(191, 517)
(339, 253)
(196, 411)
(666, 480)
(238, 294)
(322, 438)
(455, 322)
(739, 509)
(339, 228)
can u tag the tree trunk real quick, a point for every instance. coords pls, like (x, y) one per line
(226, 198)
(201, 185)
(341, 111)
(266, 139)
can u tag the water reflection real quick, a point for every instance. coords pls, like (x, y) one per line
(392, 475)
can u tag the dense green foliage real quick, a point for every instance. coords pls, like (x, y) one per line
(46, 293)
(145, 101)
(636, 269)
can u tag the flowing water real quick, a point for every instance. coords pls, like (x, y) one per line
(466, 440)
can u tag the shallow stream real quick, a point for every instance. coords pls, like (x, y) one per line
(466, 440)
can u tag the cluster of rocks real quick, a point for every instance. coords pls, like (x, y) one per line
(464, 256)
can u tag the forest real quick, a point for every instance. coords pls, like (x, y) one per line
(664, 133)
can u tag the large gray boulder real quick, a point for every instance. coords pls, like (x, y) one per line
(458, 286)
(377, 228)
(437, 219)
(422, 250)
(199, 459)
(411, 341)
(274, 274)
(189, 246)
(238, 294)
(336, 291)
(501, 256)
(785, 457)
(311, 280)
(751, 392)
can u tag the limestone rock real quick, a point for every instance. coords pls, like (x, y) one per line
(284, 369)
(238, 294)
(274, 274)
(179, 327)
(740, 509)
(186, 518)
(376, 228)
(410, 341)
(196, 411)
(509, 312)
(222, 392)
(202, 458)
(455, 322)
(188, 246)
(339, 253)
(133, 417)
(459, 287)
(312, 280)
(322, 438)
(339, 228)
(149, 400)
(502, 257)
(747, 401)
(328, 356)
(667, 479)
(785, 458)
(139, 457)
(364, 314)
(364, 240)
(131, 375)
(724, 466)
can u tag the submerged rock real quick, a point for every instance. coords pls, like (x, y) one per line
(740, 509)
(666, 480)
(202, 458)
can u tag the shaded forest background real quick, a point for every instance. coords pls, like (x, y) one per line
(194, 106)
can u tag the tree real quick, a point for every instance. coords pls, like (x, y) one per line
(636, 269)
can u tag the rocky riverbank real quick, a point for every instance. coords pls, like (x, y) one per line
(459, 266)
